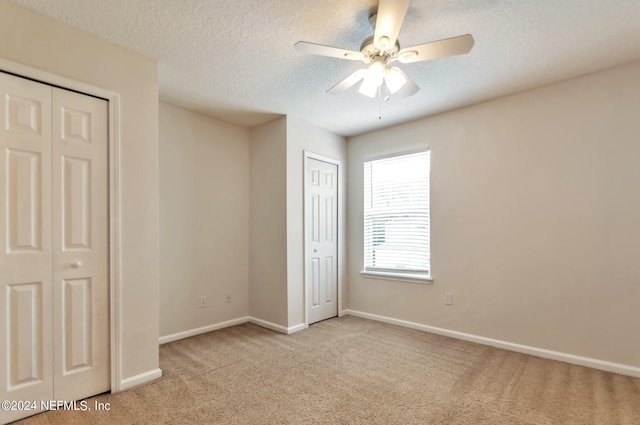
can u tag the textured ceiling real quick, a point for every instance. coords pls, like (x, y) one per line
(234, 59)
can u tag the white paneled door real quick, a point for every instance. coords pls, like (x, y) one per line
(54, 309)
(321, 239)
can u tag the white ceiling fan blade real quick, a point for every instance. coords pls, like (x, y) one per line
(408, 88)
(322, 50)
(388, 22)
(437, 49)
(348, 82)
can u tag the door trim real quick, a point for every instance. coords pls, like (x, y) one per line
(113, 141)
(340, 219)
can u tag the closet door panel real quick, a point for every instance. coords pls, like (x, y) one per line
(80, 246)
(25, 243)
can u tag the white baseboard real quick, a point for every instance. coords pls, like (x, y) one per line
(539, 352)
(297, 328)
(140, 379)
(204, 329)
(226, 324)
(276, 327)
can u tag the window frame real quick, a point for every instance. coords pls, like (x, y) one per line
(411, 276)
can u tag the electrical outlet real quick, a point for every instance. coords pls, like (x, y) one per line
(203, 301)
(448, 298)
(228, 299)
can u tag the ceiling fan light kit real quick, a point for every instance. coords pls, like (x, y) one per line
(382, 49)
(394, 79)
(373, 78)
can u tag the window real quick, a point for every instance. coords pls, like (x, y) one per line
(396, 217)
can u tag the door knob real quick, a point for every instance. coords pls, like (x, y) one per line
(315, 250)
(76, 264)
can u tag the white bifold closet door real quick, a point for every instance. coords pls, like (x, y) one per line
(54, 290)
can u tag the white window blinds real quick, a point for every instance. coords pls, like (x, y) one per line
(396, 214)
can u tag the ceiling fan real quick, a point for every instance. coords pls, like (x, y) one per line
(382, 49)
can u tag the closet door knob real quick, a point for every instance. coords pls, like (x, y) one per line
(76, 264)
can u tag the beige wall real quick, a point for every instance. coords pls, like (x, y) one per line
(37, 42)
(302, 136)
(535, 208)
(204, 220)
(276, 288)
(268, 223)
(226, 192)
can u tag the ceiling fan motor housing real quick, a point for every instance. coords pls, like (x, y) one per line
(370, 51)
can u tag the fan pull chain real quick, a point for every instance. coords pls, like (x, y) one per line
(380, 102)
(387, 96)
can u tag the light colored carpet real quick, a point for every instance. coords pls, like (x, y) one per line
(355, 371)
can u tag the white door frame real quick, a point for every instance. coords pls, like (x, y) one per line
(114, 197)
(310, 155)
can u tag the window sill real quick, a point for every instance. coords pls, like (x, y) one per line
(401, 277)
